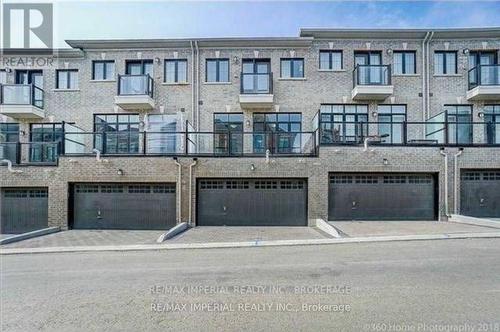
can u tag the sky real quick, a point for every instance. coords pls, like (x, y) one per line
(185, 19)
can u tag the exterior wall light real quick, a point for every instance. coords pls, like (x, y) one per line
(120, 172)
(480, 115)
(374, 114)
(466, 51)
(252, 167)
(385, 161)
(389, 51)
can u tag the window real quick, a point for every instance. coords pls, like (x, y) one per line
(292, 68)
(277, 132)
(9, 133)
(103, 70)
(139, 67)
(67, 79)
(3, 76)
(492, 123)
(343, 123)
(458, 119)
(217, 70)
(162, 136)
(391, 118)
(45, 138)
(404, 62)
(118, 133)
(330, 60)
(445, 62)
(228, 128)
(175, 71)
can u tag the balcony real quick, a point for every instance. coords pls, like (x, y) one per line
(484, 83)
(30, 153)
(21, 101)
(256, 90)
(135, 92)
(372, 82)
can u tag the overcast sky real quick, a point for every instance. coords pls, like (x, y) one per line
(184, 19)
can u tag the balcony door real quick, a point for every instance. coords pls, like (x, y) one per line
(458, 121)
(369, 75)
(139, 67)
(255, 76)
(492, 120)
(488, 74)
(34, 77)
(277, 132)
(228, 133)
(44, 143)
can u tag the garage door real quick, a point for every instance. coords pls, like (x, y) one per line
(23, 210)
(124, 206)
(480, 193)
(382, 197)
(252, 202)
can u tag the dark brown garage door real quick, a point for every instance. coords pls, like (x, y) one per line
(480, 193)
(382, 196)
(23, 210)
(252, 202)
(124, 206)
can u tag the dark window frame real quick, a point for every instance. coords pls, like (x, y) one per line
(292, 75)
(403, 63)
(105, 64)
(217, 70)
(117, 123)
(68, 78)
(229, 141)
(392, 122)
(5, 72)
(491, 121)
(142, 62)
(444, 62)
(9, 130)
(330, 59)
(457, 123)
(344, 123)
(176, 73)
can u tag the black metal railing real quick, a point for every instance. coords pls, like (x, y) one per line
(31, 153)
(371, 75)
(135, 85)
(484, 75)
(21, 94)
(256, 83)
(411, 133)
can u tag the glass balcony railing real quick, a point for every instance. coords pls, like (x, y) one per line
(30, 153)
(259, 83)
(135, 85)
(21, 94)
(484, 75)
(372, 75)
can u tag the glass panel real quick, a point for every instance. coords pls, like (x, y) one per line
(170, 72)
(148, 68)
(248, 67)
(398, 63)
(451, 63)
(224, 71)
(298, 68)
(73, 80)
(336, 60)
(324, 60)
(134, 69)
(62, 79)
(182, 71)
(110, 70)
(98, 71)
(410, 63)
(285, 68)
(3, 77)
(211, 71)
(439, 63)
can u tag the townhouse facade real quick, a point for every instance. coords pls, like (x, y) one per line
(335, 124)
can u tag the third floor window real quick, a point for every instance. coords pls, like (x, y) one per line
(67, 79)
(330, 60)
(404, 62)
(292, 68)
(103, 70)
(175, 71)
(217, 70)
(3, 76)
(445, 62)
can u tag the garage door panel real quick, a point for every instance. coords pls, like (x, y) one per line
(252, 202)
(124, 206)
(23, 210)
(480, 193)
(381, 197)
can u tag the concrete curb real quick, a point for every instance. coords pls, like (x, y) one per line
(327, 228)
(459, 219)
(29, 235)
(183, 226)
(219, 245)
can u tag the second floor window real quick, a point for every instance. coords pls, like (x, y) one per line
(45, 138)
(217, 70)
(292, 68)
(176, 71)
(330, 60)
(404, 62)
(228, 128)
(103, 70)
(118, 133)
(391, 118)
(343, 123)
(445, 62)
(67, 79)
(492, 120)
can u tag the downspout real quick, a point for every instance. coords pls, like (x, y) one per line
(197, 86)
(424, 77)
(9, 166)
(192, 80)
(179, 189)
(195, 160)
(446, 210)
(428, 83)
(455, 181)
